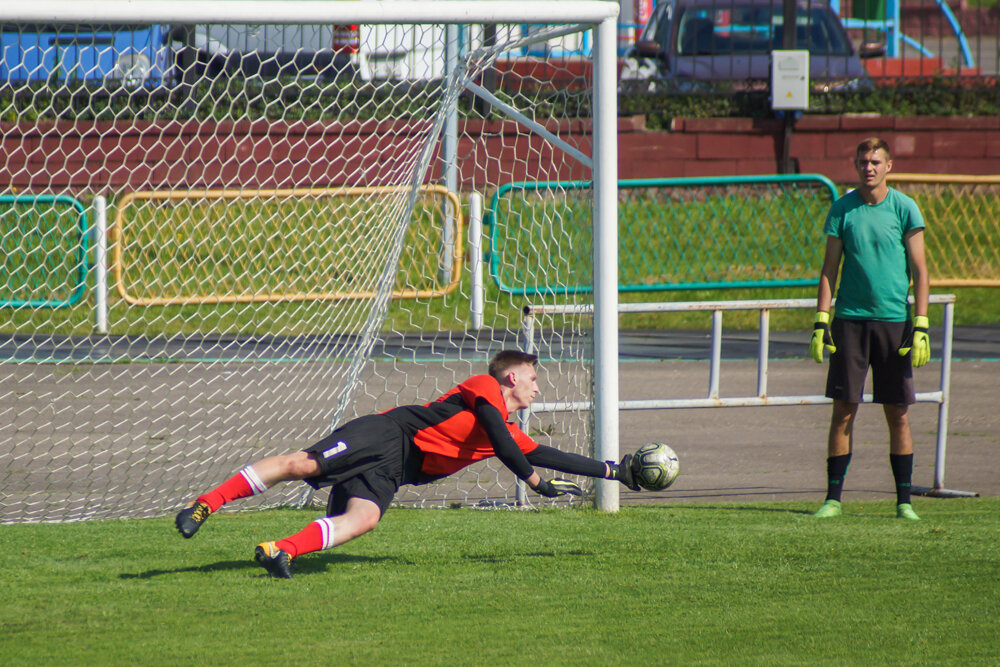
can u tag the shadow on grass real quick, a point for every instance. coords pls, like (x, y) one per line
(737, 508)
(304, 565)
(738, 491)
(731, 507)
(506, 558)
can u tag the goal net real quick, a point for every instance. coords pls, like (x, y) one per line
(222, 240)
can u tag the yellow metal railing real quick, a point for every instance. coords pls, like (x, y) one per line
(223, 240)
(963, 226)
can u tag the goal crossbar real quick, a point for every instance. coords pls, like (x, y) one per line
(300, 11)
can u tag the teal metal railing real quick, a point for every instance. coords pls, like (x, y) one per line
(43, 246)
(674, 233)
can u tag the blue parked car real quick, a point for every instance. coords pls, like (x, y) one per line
(111, 55)
(147, 55)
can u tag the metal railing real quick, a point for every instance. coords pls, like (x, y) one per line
(44, 251)
(220, 239)
(770, 223)
(723, 232)
(761, 399)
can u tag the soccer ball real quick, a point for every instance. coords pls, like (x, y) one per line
(655, 466)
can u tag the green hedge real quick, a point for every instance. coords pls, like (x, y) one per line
(221, 100)
(327, 100)
(936, 96)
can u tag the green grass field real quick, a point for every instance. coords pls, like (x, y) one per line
(761, 584)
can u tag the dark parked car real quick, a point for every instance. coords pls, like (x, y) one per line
(695, 44)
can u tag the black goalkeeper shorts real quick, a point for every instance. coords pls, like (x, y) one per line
(364, 458)
(864, 343)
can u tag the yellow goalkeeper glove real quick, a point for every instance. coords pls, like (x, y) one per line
(821, 337)
(557, 487)
(918, 341)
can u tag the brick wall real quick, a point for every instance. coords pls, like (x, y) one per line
(819, 144)
(118, 156)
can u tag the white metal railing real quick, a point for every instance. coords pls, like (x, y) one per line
(714, 400)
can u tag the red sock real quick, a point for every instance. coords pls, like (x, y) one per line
(243, 484)
(317, 535)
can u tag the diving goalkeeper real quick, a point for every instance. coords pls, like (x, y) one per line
(366, 460)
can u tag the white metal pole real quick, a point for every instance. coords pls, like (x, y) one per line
(762, 351)
(944, 401)
(100, 265)
(310, 11)
(942, 430)
(532, 125)
(713, 373)
(605, 223)
(477, 297)
(449, 155)
(528, 345)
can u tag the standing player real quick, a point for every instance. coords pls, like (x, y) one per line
(878, 232)
(367, 459)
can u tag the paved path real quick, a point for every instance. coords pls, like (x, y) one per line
(727, 455)
(779, 453)
(970, 342)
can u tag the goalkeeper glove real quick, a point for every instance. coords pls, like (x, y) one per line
(821, 337)
(623, 472)
(557, 487)
(918, 341)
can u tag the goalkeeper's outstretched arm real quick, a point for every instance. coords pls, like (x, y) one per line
(511, 455)
(575, 464)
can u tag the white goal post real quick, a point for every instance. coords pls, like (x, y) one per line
(285, 245)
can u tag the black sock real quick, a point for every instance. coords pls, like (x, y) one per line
(836, 471)
(902, 472)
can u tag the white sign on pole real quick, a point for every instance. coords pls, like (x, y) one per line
(790, 80)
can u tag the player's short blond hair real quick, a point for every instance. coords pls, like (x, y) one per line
(507, 359)
(872, 144)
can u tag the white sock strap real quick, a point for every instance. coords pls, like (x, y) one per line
(253, 479)
(326, 527)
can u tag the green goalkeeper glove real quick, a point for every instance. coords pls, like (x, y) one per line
(821, 337)
(623, 472)
(918, 341)
(557, 487)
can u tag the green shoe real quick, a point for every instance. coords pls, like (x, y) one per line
(905, 511)
(829, 508)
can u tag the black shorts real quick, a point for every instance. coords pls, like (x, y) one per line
(864, 343)
(365, 458)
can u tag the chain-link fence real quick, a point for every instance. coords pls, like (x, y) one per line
(963, 221)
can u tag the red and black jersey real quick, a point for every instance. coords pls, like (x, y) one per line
(448, 431)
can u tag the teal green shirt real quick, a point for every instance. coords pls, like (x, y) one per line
(875, 276)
